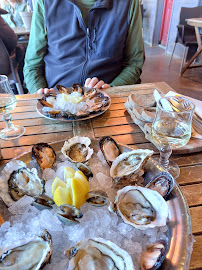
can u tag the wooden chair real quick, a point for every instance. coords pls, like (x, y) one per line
(9, 67)
(186, 33)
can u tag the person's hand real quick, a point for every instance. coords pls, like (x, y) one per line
(95, 83)
(45, 90)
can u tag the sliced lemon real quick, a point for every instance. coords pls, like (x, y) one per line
(79, 194)
(56, 183)
(62, 196)
(71, 98)
(82, 180)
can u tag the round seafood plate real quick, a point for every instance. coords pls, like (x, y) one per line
(118, 222)
(73, 103)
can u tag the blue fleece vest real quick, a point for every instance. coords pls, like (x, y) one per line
(76, 52)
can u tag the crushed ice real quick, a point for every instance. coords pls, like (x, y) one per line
(24, 220)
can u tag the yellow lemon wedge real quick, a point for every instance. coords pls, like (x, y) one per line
(56, 183)
(70, 98)
(62, 196)
(82, 179)
(68, 174)
(79, 194)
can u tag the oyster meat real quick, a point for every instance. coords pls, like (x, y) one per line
(77, 149)
(44, 155)
(25, 182)
(110, 149)
(30, 253)
(98, 253)
(140, 207)
(129, 163)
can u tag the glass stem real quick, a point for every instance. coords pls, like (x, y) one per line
(7, 119)
(164, 157)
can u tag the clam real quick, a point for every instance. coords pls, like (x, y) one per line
(24, 182)
(63, 89)
(129, 163)
(153, 256)
(77, 149)
(69, 214)
(97, 198)
(31, 253)
(140, 207)
(85, 169)
(42, 202)
(162, 183)
(98, 253)
(44, 155)
(109, 148)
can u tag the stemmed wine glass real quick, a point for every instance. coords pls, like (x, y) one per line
(8, 103)
(172, 129)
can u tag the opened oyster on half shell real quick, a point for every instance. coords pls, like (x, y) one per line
(128, 164)
(98, 253)
(140, 207)
(31, 253)
(77, 149)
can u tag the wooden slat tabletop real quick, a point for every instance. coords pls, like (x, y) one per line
(115, 122)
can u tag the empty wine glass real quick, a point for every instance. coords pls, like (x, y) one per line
(172, 129)
(8, 103)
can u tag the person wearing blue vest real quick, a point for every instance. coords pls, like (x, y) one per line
(93, 43)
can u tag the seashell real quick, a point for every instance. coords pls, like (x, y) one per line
(98, 253)
(85, 169)
(162, 183)
(140, 207)
(24, 182)
(63, 89)
(77, 149)
(31, 253)
(43, 202)
(109, 148)
(44, 155)
(129, 163)
(48, 100)
(97, 198)
(69, 214)
(153, 256)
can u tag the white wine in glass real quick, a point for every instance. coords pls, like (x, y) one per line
(7, 103)
(172, 129)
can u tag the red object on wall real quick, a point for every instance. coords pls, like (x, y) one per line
(165, 22)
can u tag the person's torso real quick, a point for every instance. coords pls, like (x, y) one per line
(75, 51)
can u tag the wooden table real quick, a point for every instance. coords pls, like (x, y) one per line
(117, 123)
(197, 23)
(21, 31)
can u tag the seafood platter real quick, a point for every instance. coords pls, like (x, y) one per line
(91, 204)
(73, 103)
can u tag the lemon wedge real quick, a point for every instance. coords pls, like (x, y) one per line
(70, 98)
(56, 183)
(79, 194)
(82, 180)
(62, 196)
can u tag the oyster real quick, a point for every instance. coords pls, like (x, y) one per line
(48, 100)
(98, 253)
(25, 182)
(77, 149)
(97, 198)
(110, 149)
(44, 155)
(129, 163)
(30, 253)
(153, 256)
(162, 183)
(140, 207)
(85, 169)
(43, 202)
(69, 214)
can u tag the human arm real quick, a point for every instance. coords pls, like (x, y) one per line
(34, 72)
(8, 18)
(134, 49)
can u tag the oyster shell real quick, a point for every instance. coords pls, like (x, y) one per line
(25, 182)
(98, 253)
(153, 256)
(140, 207)
(85, 169)
(110, 149)
(44, 155)
(162, 183)
(97, 198)
(129, 163)
(30, 253)
(69, 214)
(77, 149)
(43, 202)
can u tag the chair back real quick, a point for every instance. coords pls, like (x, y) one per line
(5, 61)
(188, 13)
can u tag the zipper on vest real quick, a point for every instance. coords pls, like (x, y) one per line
(88, 37)
(88, 48)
